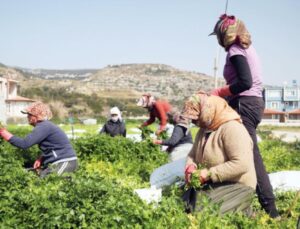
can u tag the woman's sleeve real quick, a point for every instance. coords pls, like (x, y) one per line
(103, 130)
(150, 120)
(37, 135)
(243, 74)
(237, 146)
(177, 135)
(162, 116)
(124, 130)
(192, 154)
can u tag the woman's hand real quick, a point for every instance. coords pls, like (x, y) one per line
(5, 134)
(37, 164)
(157, 142)
(189, 169)
(221, 91)
(204, 176)
(158, 132)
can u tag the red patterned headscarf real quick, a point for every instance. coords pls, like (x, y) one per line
(230, 30)
(39, 110)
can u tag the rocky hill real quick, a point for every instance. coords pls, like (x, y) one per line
(128, 80)
(160, 80)
(92, 92)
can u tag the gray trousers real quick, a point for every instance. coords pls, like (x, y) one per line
(231, 197)
(60, 168)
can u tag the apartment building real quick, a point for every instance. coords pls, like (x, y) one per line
(282, 103)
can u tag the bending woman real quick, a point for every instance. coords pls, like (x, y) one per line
(181, 142)
(224, 147)
(57, 155)
(157, 109)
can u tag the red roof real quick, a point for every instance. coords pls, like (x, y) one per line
(269, 111)
(295, 111)
(21, 99)
(12, 80)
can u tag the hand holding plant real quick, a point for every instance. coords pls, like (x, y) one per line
(189, 169)
(196, 177)
(157, 141)
(6, 135)
(204, 175)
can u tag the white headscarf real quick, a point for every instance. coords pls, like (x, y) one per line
(115, 110)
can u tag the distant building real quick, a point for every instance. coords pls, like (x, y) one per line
(282, 103)
(10, 103)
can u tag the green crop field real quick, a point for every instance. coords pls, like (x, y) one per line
(100, 194)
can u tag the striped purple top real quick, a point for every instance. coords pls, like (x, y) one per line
(254, 65)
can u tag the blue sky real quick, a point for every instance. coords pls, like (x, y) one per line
(67, 34)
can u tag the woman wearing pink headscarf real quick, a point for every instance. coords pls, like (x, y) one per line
(57, 152)
(243, 91)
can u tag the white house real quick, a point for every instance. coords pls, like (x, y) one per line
(10, 103)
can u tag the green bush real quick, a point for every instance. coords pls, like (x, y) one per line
(100, 194)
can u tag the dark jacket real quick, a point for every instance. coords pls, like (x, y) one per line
(52, 141)
(114, 128)
(180, 135)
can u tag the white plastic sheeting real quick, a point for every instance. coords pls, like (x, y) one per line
(285, 180)
(149, 195)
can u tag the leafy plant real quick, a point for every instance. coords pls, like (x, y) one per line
(195, 181)
(163, 135)
(146, 132)
(100, 194)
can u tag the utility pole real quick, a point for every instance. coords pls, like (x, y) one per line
(216, 60)
(215, 72)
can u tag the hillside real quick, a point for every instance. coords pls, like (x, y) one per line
(160, 80)
(112, 85)
(129, 79)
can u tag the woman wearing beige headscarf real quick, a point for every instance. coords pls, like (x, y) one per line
(224, 148)
(57, 155)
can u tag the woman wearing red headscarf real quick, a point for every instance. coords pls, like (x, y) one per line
(57, 152)
(228, 172)
(244, 93)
